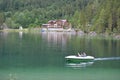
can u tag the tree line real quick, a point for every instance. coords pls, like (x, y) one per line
(102, 16)
(88, 15)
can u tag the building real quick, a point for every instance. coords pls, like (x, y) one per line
(59, 25)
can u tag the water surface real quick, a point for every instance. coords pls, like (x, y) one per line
(40, 56)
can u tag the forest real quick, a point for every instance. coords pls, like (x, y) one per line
(101, 16)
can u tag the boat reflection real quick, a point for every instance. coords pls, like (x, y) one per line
(78, 65)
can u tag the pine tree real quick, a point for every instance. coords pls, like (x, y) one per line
(118, 19)
(76, 20)
(100, 23)
(2, 18)
(110, 23)
(83, 21)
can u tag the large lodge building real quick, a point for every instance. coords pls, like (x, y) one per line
(56, 25)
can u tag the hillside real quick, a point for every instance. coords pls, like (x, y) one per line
(88, 15)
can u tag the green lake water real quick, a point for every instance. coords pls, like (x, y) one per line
(41, 56)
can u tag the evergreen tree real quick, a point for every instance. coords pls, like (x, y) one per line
(76, 20)
(100, 23)
(118, 20)
(2, 18)
(83, 21)
(110, 23)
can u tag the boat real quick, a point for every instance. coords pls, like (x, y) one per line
(76, 59)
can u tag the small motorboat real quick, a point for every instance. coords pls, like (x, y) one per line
(74, 58)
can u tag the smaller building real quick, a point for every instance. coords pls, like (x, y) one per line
(20, 28)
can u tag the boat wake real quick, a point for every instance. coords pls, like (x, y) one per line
(108, 58)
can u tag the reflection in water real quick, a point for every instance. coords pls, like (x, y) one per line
(12, 77)
(3, 34)
(20, 34)
(79, 65)
(56, 38)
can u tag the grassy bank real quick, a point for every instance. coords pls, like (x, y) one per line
(14, 30)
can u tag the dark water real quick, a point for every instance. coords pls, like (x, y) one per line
(40, 56)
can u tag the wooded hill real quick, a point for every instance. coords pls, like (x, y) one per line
(88, 15)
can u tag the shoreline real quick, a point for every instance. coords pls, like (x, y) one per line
(13, 30)
(79, 32)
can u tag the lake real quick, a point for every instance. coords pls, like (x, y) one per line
(41, 56)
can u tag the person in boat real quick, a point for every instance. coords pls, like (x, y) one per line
(78, 54)
(83, 54)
